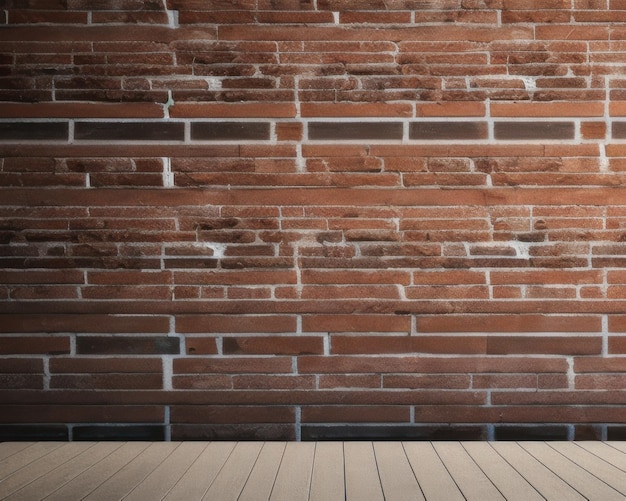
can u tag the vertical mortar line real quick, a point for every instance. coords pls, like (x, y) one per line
(70, 131)
(46, 372)
(490, 124)
(167, 429)
(604, 167)
(491, 433)
(605, 335)
(168, 175)
(571, 375)
(298, 423)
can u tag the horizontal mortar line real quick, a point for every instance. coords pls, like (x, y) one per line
(322, 196)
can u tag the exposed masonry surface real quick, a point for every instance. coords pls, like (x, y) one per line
(312, 219)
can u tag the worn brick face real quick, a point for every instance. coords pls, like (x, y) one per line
(295, 219)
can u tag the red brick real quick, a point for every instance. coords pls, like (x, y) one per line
(73, 365)
(436, 365)
(233, 365)
(342, 345)
(427, 381)
(508, 323)
(340, 381)
(355, 323)
(85, 323)
(564, 109)
(575, 345)
(230, 324)
(273, 345)
(25, 345)
(263, 382)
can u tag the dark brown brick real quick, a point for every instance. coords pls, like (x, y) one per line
(127, 345)
(618, 130)
(129, 131)
(519, 131)
(447, 130)
(29, 131)
(230, 131)
(354, 130)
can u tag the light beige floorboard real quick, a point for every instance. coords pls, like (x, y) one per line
(606, 452)
(606, 472)
(127, 478)
(261, 480)
(470, 479)
(544, 480)
(8, 449)
(327, 483)
(26, 456)
(313, 471)
(432, 475)
(620, 446)
(164, 477)
(41, 466)
(198, 478)
(233, 476)
(396, 476)
(506, 479)
(293, 480)
(362, 480)
(64, 473)
(90, 479)
(584, 482)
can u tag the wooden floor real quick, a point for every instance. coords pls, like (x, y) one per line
(324, 471)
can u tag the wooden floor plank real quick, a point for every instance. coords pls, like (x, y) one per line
(65, 472)
(198, 478)
(620, 446)
(432, 475)
(314, 471)
(605, 471)
(90, 479)
(549, 485)
(261, 480)
(293, 480)
(233, 476)
(164, 476)
(8, 449)
(127, 478)
(362, 480)
(584, 482)
(26, 456)
(470, 479)
(606, 452)
(327, 483)
(41, 466)
(506, 479)
(396, 476)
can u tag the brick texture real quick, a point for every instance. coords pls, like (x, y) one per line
(312, 220)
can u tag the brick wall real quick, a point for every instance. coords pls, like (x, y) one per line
(297, 219)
